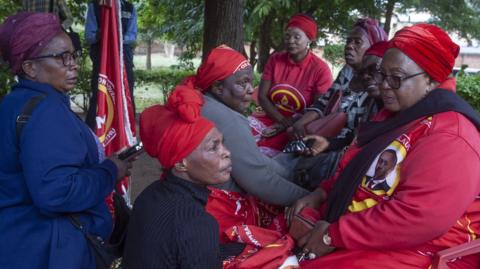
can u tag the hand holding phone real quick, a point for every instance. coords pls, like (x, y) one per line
(131, 152)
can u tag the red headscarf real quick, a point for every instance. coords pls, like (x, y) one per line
(220, 63)
(375, 33)
(304, 23)
(24, 36)
(430, 47)
(377, 49)
(171, 132)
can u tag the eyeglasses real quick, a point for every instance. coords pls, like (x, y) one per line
(68, 58)
(393, 81)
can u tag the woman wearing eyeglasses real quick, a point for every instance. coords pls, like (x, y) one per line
(51, 164)
(424, 153)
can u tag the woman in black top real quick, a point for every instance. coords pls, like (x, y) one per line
(169, 227)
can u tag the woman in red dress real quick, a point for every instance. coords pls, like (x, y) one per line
(291, 81)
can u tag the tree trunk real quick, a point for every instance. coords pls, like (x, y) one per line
(388, 15)
(223, 24)
(264, 42)
(149, 53)
(253, 53)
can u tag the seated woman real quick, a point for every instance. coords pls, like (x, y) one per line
(52, 165)
(291, 81)
(225, 78)
(169, 227)
(328, 151)
(364, 34)
(399, 196)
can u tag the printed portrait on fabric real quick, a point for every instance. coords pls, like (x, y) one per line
(384, 173)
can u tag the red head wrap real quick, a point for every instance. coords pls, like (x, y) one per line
(171, 132)
(428, 46)
(377, 49)
(220, 63)
(304, 23)
(375, 33)
(24, 36)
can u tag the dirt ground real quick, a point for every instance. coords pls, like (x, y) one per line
(145, 171)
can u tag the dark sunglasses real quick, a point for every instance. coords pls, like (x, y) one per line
(395, 82)
(68, 58)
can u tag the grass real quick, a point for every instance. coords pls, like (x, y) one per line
(159, 60)
(147, 95)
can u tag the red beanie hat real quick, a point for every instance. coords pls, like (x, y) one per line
(220, 63)
(377, 49)
(304, 23)
(24, 36)
(171, 132)
(430, 47)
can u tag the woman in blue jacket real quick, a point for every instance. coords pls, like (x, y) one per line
(55, 166)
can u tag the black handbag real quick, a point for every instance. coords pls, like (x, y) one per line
(108, 254)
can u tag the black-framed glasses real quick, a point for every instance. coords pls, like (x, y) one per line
(393, 81)
(68, 58)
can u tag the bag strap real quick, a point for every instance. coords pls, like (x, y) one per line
(77, 223)
(26, 113)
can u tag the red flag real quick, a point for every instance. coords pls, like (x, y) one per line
(115, 118)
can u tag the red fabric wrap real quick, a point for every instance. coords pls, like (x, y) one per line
(375, 32)
(377, 49)
(304, 23)
(264, 248)
(220, 63)
(24, 36)
(170, 133)
(430, 47)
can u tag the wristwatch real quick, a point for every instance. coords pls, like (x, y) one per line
(327, 240)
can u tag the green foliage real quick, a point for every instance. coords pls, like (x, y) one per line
(461, 17)
(83, 81)
(469, 88)
(165, 78)
(334, 53)
(180, 21)
(6, 80)
(9, 7)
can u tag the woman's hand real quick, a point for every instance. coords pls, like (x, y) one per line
(313, 242)
(297, 130)
(315, 144)
(273, 130)
(313, 200)
(123, 166)
(286, 122)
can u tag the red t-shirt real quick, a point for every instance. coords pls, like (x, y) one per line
(294, 85)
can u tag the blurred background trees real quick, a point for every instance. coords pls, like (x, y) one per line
(188, 29)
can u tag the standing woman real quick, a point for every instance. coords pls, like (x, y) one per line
(55, 166)
(291, 81)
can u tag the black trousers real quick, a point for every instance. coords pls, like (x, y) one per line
(94, 53)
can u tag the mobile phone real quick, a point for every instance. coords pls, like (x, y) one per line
(131, 152)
